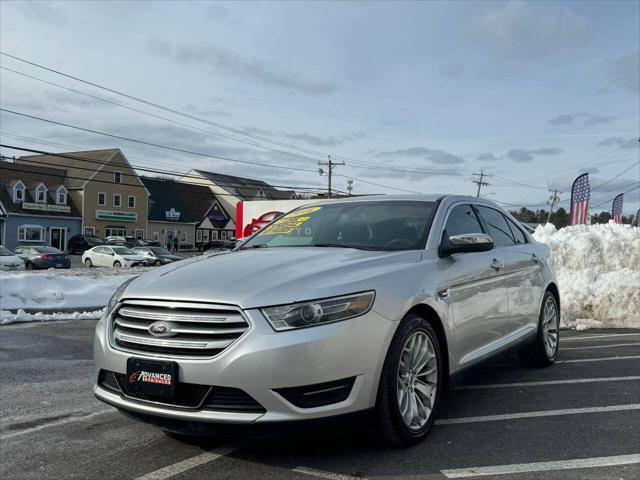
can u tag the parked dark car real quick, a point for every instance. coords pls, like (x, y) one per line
(79, 243)
(148, 243)
(128, 242)
(37, 258)
(157, 255)
(217, 245)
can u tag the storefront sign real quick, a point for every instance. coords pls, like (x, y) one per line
(172, 215)
(113, 215)
(46, 208)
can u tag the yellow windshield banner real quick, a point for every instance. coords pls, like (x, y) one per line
(303, 211)
(284, 225)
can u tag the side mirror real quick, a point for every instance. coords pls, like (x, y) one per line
(465, 243)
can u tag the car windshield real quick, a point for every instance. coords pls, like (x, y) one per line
(5, 253)
(123, 251)
(160, 251)
(47, 250)
(366, 225)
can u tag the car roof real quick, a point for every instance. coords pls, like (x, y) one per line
(426, 197)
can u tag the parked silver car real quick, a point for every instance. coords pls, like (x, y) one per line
(359, 305)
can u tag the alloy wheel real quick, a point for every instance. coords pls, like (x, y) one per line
(417, 380)
(550, 328)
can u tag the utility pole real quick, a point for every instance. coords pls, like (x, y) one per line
(553, 199)
(330, 164)
(350, 186)
(480, 182)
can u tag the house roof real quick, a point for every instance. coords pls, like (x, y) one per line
(81, 168)
(32, 176)
(192, 201)
(241, 187)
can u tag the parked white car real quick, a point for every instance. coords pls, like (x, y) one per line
(10, 261)
(112, 256)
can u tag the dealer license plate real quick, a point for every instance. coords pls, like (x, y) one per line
(150, 377)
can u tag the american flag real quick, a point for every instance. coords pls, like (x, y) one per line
(616, 210)
(580, 200)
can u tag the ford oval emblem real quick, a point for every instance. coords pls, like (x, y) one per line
(161, 329)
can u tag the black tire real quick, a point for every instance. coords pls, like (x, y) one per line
(30, 266)
(391, 428)
(536, 354)
(117, 264)
(157, 263)
(88, 263)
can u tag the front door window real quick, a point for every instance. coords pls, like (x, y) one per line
(58, 239)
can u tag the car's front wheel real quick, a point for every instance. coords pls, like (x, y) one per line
(544, 351)
(87, 263)
(410, 384)
(117, 264)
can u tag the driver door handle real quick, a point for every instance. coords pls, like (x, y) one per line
(497, 264)
(535, 258)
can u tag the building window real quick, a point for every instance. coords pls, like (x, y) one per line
(41, 195)
(139, 233)
(223, 234)
(19, 194)
(102, 199)
(132, 201)
(62, 197)
(198, 236)
(89, 231)
(30, 233)
(214, 235)
(117, 200)
(156, 235)
(117, 177)
(115, 232)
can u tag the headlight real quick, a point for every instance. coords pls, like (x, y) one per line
(318, 312)
(118, 293)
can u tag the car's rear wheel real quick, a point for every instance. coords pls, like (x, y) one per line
(87, 263)
(30, 266)
(117, 264)
(410, 384)
(544, 351)
(157, 263)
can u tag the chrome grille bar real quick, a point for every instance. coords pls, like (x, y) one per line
(190, 329)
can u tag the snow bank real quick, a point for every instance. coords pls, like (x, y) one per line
(598, 272)
(58, 290)
(22, 316)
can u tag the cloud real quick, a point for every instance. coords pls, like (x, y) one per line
(318, 141)
(583, 118)
(519, 155)
(624, 72)
(223, 60)
(521, 31)
(44, 12)
(440, 157)
(619, 142)
(487, 157)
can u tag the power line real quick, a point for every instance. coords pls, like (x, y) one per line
(612, 199)
(620, 174)
(330, 166)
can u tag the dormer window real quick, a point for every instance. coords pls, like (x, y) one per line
(61, 195)
(41, 194)
(18, 192)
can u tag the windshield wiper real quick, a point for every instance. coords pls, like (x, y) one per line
(341, 245)
(260, 245)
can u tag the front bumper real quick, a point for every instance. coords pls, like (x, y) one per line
(262, 361)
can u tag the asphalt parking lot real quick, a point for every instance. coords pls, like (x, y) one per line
(579, 419)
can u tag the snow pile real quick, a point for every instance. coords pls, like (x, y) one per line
(88, 291)
(598, 272)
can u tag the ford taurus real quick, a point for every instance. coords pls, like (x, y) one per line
(366, 305)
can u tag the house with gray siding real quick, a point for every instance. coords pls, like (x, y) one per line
(35, 207)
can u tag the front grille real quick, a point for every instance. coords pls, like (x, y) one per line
(187, 395)
(200, 330)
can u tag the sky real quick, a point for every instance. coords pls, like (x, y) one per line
(411, 96)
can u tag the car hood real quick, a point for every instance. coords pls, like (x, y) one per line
(10, 260)
(269, 276)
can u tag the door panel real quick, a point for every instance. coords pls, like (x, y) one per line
(478, 303)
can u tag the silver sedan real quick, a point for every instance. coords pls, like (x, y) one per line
(366, 305)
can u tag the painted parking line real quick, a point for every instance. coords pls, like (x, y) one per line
(193, 462)
(587, 347)
(542, 466)
(548, 382)
(322, 474)
(63, 421)
(595, 337)
(576, 360)
(540, 413)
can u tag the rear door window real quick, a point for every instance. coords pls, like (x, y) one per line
(497, 226)
(462, 219)
(517, 233)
